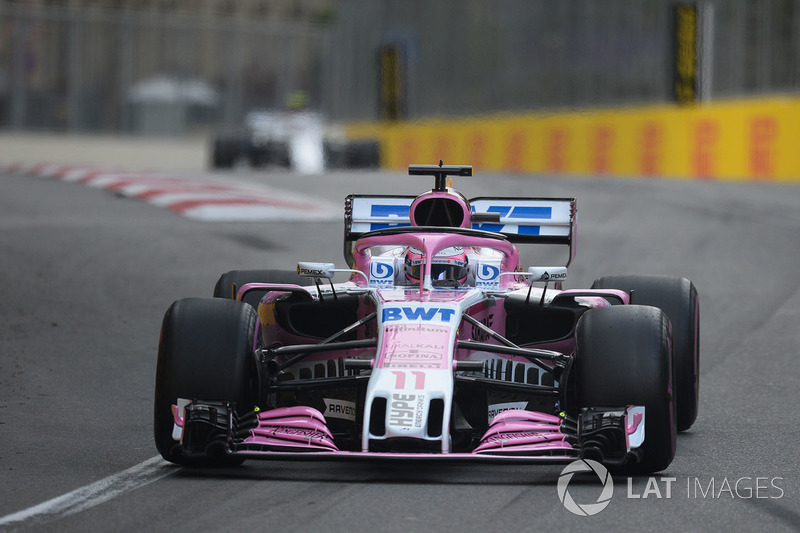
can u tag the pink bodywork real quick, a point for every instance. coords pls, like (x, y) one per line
(431, 243)
(303, 429)
(518, 433)
(431, 344)
(524, 433)
(292, 429)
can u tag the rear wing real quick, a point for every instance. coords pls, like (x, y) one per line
(521, 220)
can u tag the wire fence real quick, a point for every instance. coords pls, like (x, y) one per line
(91, 69)
(473, 56)
(96, 69)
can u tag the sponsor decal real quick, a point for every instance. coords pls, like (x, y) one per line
(398, 211)
(425, 314)
(419, 346)
(505, 438)
(342, 409)
(415, 355)
(311, 434)
(415, 364)
(547, 274)
(514, 214)
(389, 212)
(381, 272)
(417, 330)
(411, 357)
(488, 275)
(406, 410)
(497, 408)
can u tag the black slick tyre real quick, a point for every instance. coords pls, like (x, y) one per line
(677, 297)
(205, 352)
(623, 358)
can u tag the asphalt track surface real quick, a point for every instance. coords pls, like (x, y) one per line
(87, 276)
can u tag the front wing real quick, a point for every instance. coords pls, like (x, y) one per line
(610, 435)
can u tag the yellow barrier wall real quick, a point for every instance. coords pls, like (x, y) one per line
(737, 140)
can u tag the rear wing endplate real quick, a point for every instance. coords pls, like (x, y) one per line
(521, 220)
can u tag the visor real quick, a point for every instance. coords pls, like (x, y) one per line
(440, 272)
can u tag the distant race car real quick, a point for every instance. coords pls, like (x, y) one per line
(299, 140)
(439, 346)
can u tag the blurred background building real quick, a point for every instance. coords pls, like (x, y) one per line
(183, 66)
(154, 66)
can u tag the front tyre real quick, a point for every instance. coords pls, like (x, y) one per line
(205, 353)
(623, 357)
(677, 297)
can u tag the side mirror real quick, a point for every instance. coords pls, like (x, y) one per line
(306, 269)
(555, 273)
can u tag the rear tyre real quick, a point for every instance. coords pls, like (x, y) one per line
(677, 297)
(205, 353)
(238, 278)
(227, 150)
(623, 358)
(223, 153)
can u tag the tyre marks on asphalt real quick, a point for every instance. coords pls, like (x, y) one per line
(91, 495)
(198, 198)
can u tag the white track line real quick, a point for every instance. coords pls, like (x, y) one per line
(91, 495)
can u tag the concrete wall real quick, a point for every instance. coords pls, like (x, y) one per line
(191, 154)
(744, 140)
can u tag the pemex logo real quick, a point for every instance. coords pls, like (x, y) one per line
(585, 509)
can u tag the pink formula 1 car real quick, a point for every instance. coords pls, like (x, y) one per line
(439, 346)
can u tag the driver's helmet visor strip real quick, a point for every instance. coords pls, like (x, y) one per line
(442, 267)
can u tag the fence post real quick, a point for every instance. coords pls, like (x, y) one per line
(19, 94)
(74, 108)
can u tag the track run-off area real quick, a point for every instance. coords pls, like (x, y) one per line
(92, 258)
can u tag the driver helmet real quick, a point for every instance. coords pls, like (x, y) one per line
(448, 264)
